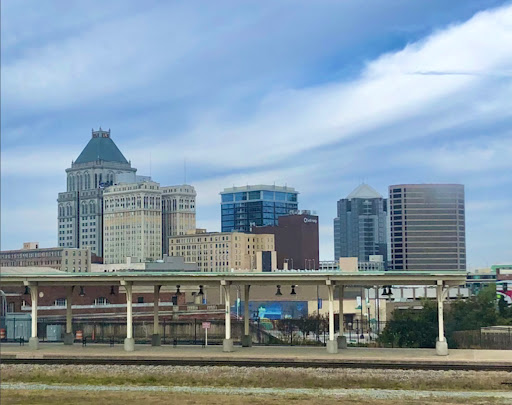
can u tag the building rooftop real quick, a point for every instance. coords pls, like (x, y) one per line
(101, 147)
(31, 270)
(258, 187)
(364, 191)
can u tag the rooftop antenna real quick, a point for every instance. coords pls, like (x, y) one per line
(150, 164)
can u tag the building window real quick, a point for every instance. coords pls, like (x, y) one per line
(100, 301)
(60, 302)
(140, 300)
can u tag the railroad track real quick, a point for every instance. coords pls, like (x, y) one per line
(264, 363)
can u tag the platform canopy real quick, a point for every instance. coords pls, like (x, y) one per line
(44, 277)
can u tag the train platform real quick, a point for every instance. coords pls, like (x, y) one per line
(280, 356)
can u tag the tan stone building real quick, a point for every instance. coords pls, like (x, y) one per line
(178, 212)
(65, 259)
(132, 222)
(224, 251)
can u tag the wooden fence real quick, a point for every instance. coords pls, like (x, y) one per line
(484, 339)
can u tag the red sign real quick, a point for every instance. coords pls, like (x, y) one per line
(206, 325)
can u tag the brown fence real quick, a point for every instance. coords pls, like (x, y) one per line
(484, 339)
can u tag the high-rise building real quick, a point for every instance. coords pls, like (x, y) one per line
(427, 227)
(80, 208)
(296, 240)
(132, 222)
(247, 206)
(361, 224)
(223, 251)
(178, 212)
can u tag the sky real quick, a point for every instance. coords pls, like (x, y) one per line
(318, 95)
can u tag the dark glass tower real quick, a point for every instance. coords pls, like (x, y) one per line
(243, 207)
(361, 224)
(427, 227)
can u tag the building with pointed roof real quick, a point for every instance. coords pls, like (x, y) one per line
(80, 207)
(360, 227)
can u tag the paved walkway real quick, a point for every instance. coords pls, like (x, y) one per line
(263, 353)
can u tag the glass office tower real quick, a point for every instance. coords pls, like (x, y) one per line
(360, 228)
(247, 206)
(427, 227)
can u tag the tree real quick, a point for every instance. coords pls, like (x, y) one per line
(419, 328)
(412, 327)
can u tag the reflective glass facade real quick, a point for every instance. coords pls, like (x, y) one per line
(360, 228)
(427, 227)
(243, 207)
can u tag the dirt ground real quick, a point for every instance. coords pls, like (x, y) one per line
(116, 398)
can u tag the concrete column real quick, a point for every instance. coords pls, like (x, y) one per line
(228, 342)
(247, 337)
(33, 342)
(155, 339)
(441, 344)
(129, 342)
(342, 340)
(68, 336)
(332, 345)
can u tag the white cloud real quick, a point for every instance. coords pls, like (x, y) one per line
(315, 138)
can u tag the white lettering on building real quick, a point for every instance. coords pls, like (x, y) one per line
(306, 220)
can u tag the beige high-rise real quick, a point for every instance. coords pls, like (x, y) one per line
(223, 251)
(132, 222)
(178, 212)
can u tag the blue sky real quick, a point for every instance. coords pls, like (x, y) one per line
(320, 95)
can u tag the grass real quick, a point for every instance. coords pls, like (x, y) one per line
(258, 377)
(116, 398)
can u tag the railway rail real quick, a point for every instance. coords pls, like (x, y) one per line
(263, 363)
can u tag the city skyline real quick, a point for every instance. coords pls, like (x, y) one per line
(386, 105)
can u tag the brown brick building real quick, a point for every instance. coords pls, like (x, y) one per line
(296, 240)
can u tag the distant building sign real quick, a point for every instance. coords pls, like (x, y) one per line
(313, 220)
(206, 325)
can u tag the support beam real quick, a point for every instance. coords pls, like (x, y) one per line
(342, 340)
(129, 342)
(441, 344)
(332, 345)
(247, 337)
(68, 336)
(33, 342)
(156, 339)
(228, 342)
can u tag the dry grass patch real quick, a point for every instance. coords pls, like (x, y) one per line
(120, 398)
(257, 377)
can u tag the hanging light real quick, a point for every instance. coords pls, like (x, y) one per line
(200, 290)
(178, 289)
(384, 292)
(278, 292)
(82, 293)
(293, 291)
(27, 291)
(390, 293)
(112, 291)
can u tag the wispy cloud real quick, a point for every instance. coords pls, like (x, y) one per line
(300, 102)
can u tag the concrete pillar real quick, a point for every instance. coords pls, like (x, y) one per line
(33, 342)
(129, 342)
(68, 336)
(342, 340)
(156, 339)
(247, 337)
(332, 345)
(228, 342)
(441, 344)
